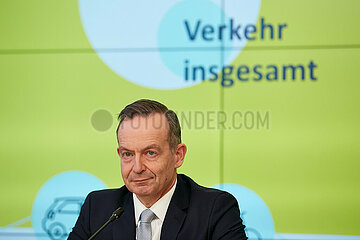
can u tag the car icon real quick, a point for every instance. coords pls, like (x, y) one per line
(61, 216)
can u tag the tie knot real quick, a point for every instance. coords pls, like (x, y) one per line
(147, 215)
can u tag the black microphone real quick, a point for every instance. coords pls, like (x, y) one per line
(115, 215)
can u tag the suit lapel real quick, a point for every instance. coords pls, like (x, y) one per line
(124, 227)
(176, 212)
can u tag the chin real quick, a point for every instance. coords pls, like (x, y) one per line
(141, 191)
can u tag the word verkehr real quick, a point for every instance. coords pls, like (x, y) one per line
(233, 31)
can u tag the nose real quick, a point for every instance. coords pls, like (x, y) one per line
(138, 166)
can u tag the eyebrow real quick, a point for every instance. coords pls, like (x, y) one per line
(121, 148)
(156, 146)
(152, 146)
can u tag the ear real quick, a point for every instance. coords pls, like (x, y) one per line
(179, 154)
(118, 151)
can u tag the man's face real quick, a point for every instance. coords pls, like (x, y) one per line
(148, 167)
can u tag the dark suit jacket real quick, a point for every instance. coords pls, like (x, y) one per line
(194, 212)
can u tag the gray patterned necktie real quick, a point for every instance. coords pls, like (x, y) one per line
(144, 230)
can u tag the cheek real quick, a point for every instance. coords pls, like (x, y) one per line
(125, 169)
(165, 169)
(156, 169)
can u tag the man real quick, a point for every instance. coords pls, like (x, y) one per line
(158, 203)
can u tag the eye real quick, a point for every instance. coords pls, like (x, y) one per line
(151, 154)
(126, 155)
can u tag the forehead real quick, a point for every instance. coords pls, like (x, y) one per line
(149, 129)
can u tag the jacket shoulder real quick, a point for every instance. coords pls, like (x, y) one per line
(201, 190)
(115, 196)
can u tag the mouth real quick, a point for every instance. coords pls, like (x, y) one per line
(141, 180)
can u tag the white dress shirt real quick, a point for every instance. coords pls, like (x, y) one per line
(159, 208)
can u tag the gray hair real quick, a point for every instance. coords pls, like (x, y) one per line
(146, 107)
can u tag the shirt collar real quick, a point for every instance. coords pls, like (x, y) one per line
(159, 208)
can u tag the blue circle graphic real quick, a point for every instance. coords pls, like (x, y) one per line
(57, 204)
(253, 211)
(148, 42)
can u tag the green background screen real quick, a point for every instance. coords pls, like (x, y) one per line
(291, 139)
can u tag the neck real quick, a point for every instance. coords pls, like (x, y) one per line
(148, 201)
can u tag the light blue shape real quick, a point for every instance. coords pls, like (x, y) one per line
(17, 223)
(57, 204)
(19, 233)
(253, 210)
(182, 27)
(127, 36)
